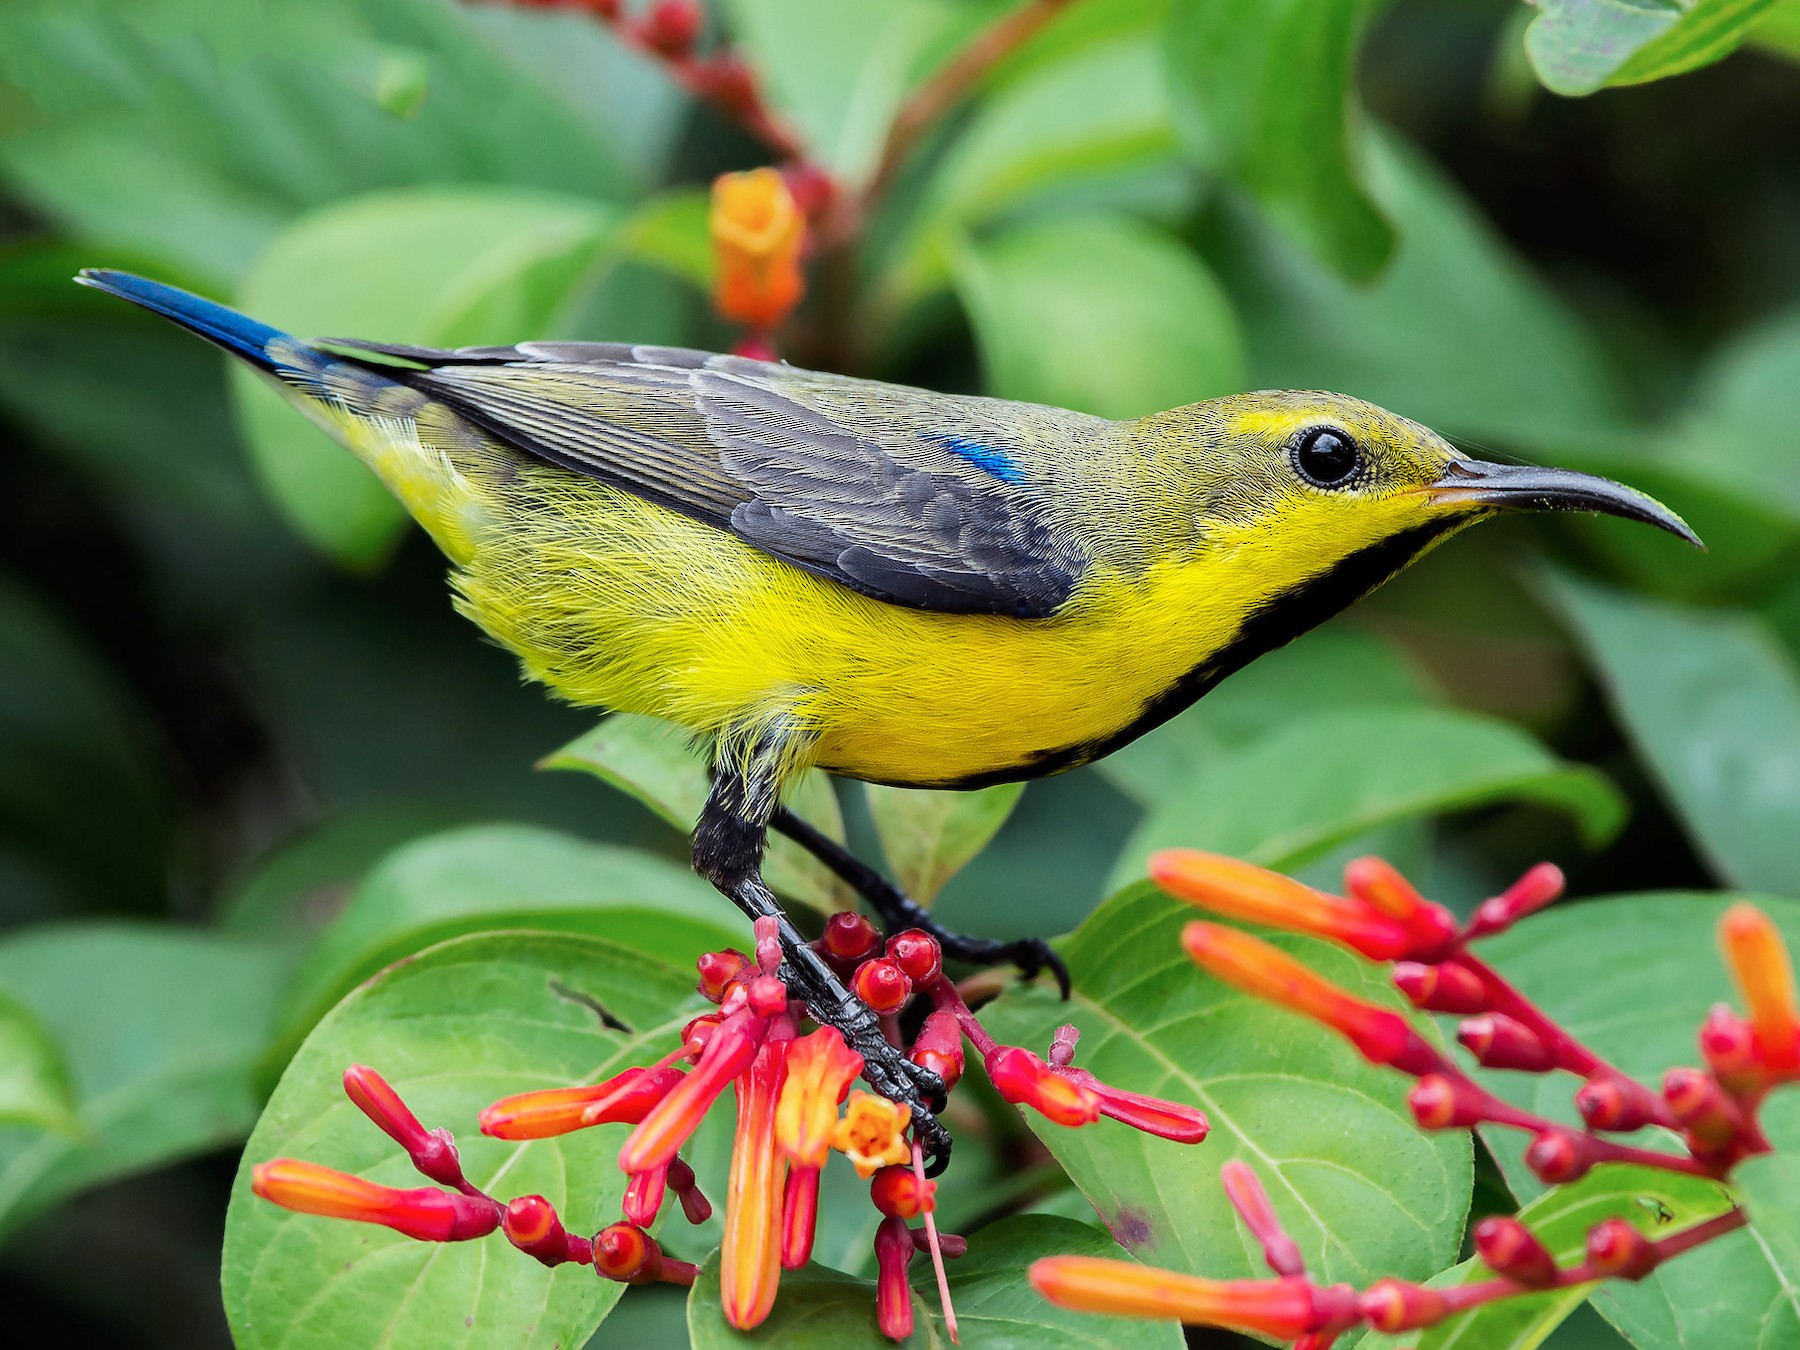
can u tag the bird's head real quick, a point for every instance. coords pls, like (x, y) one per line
(1294, 484)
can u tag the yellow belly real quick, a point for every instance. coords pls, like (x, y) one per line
(615, 602)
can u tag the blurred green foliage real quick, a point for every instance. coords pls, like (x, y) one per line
(248, 755)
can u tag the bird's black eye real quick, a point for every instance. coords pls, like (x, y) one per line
(1326, 457)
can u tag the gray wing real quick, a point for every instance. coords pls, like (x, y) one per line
(849, 479)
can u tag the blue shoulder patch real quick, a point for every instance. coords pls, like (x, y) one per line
(984, 457)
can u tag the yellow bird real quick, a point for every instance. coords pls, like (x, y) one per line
(894, 585)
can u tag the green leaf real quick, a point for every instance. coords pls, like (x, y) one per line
(658, 763)
(1579, 46)
(159, 1030)
(1362, 1190)
(927, 837)
(439, 266)
(1099, 313)
(34, 1083)
(506, 876)
(995, 1308)
(463, 1024)
(672, 232)
(1632, 976)
(1749, 385)
(1263, 95)
(1711, 700)
(1659, 1203)
(1290, 795)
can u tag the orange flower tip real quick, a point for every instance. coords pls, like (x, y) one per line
(1758, 959)
(850, 937)
(1617, 1250)
(1556, 1156)
(1241, 890)
(717, 970)
(893, 1293)
(1396, 1305)
(872, 1134)
(1025, 1080)
(882, 985)
(1378, 884)
(820, 1069)
(1282, 1308)
(1499, 1042)
(627, 1254)
(917, 953)
(1445, 987)
(424, 1213)
(1507, 1247)
(898, 1192)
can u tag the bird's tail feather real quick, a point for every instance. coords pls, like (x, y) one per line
(238, 334)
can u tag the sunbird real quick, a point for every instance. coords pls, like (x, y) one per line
(906, 587)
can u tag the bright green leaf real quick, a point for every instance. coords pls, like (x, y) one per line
(441, 266)
(1318, 780)
(159, 1029)
(1579, 46)
(1753, 383)
(1632, 976)
(672, 232)
(467, 1022)
(1362, 1190)
(1712, 702)
(1099, 313)
(658, 763)
(34, 1083)
(1263, 95)
(817, 1309)
(506, 876)
(928, 837)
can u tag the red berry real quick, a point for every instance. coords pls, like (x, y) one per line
(850, 937)
(882, 985)
(917, 953)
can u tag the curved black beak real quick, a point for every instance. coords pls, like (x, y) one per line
(1529, 488)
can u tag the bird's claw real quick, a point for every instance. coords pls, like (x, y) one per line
(1033, 954)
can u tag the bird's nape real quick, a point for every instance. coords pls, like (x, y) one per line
(1472, 482)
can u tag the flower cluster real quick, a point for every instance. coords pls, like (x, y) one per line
(794, 1107)
(1711, 1110)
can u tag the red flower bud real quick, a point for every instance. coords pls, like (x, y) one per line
(627, 1254)
(1440, 1102)
(1759, 960)
(671, 26)
(917, 953)
(694, 1204)
(1557, 1155)
(729, 82)
(1446, 987)
(850, 937)
(949, 1244)
(1729, 1048)
(1498, 1042)
(1395, 1305)
(425, 1213)
(893, 1294)
(1252, 1204)
(882, 985)
(938, 1047)
(899, 1193)
(1702, 1108)
(718, 970)
(433, 1152)
(531, 1224)
(1507, 1247)
(1606, 1103)
(1618, 1250)
(1527, 895)
(1241, 890)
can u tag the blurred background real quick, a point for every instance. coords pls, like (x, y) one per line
(232, 684)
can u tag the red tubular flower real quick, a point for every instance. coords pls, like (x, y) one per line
(1498, 1042)
(531, 1224)
(938, 1047)
(1282, 1308)
(1252, 1204)
(432, 1151)
(758, 233)
(1025, 1080)
(1396, 1305)
(1527, 895)
(1151, 1115)
(1709, 1117)
(644, 1196)
(1241, 890)
(750, 1257)
(624, 1097)
(1729, 1048)
(1507, 1247)
(799, 1216)
(425, 1213)
(1759, 960)
(1445, 987)
(872, 1134)
(893, 1293)
(666, 1126)
(882, 985)
(899, 1192)
(1380, 1035)
(1616, 1249)
(1379, 885)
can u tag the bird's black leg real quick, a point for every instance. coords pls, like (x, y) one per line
(728, 848)
(898, 910)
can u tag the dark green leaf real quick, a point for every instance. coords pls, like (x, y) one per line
(658, 763)
(1712, 702)
(1748, 387)
(159, 1030)
(442, 266)
(1632, 977)
(1320, 779)
(465, 1023)
(34, 1083)
(1099, 313)
(928, 837)
(1363, 1191)
(1263, 96)
(506, 876)
(1579, 46)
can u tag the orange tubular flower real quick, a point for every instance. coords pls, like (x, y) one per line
(820, 1069)
(1281, 1308)
(625, 1097)
(729, 1051)
(1759, 959)
(758, 232)
(872, 1133)
(750, 1259)
(425, 1213)
(1381, 1035)
(1241, 890)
